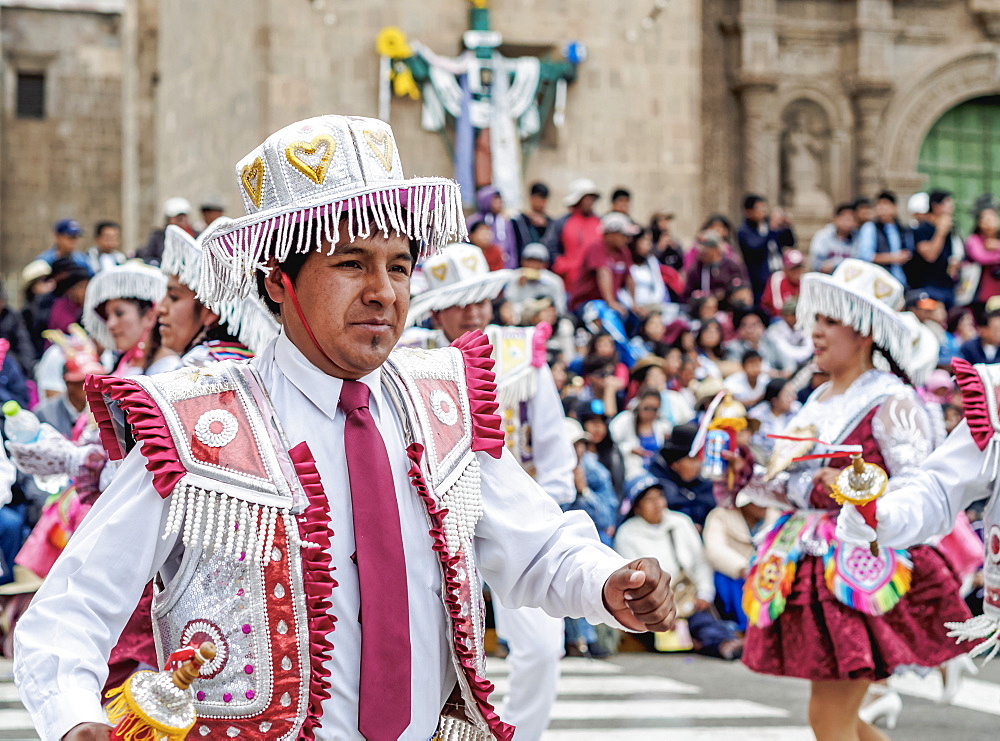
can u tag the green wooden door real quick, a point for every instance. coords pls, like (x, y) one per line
(961, 154)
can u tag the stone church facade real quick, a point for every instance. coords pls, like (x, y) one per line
(688, 103)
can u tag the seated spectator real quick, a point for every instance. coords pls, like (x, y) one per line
(639, 432)
(983, 248)
(739, 297)
(481, 235)
(985, 347)
(774, 412)
(649, 291)
(680, 476)
(651, 334)
(961, 328)
(13, 330)
(665, 248)
(953, 416)
(602, 346)
(63, 411)
(835, 242)
(929, 312)
(705, 306)
(784, 284)
(13, 386)
(37, 300)
(594, 418)
(712, 272)
(750, 326)
(652, 528)
(784, 347)
(533, 280)
(729, 546)
(71, 287)
(748, 385)
(936, 261)
(708, 343)
(596, 496)
(680, 334)
(722, 228)
(663, 376)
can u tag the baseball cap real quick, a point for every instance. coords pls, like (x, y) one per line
(617, 223)
(919, 203)
(69, 227)
(793, 259)
(921, 300)
(574, 430)
(535, 251)
(175, 207)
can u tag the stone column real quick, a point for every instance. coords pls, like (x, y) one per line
(871, 89)
(756, 81)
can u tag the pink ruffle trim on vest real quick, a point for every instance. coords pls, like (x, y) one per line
(539, 354)
(486, 433)
(481, 687)
(318, 581)
(148, 427)
(974, 398)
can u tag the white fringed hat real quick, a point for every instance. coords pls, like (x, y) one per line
(865, 297)
(246, 319)
(316, 172)
(458, 276)
(133, 280)
(925, 350)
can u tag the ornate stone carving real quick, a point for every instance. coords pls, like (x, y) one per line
(805, 157)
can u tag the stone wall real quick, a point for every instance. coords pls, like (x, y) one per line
(633, 117)
(68, 164)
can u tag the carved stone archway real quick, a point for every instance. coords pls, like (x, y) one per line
(915, 108)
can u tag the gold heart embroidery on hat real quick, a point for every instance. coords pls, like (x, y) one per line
(470, 262)
(323, 145)
(381, 145)
(439, 271)
(882, 289)
(850, 273)
(252, 178)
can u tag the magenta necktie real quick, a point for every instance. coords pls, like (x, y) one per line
(384, 702)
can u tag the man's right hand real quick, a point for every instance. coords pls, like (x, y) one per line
(88, 732)
(903, 257)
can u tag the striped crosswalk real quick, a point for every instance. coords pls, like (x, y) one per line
(598, 700)
(15, 723)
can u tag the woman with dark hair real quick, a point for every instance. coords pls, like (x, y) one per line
(961, 328)
(639, 431)
(839, 614)
(774, 412)
(983, 248)
(708, 344)
(591, 415)
(649, 291)
(666, 249)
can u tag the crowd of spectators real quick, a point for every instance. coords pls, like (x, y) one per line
(648, 330)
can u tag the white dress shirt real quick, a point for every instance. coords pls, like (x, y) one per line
(528, 551)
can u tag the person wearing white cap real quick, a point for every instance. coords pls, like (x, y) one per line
(177, 212)
(461, 289)
(569, 236)
(820, 608)
(329, 493)
(534, 280)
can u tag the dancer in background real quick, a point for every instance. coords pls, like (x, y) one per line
(819, 608)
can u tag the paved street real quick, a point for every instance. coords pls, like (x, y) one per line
(689, 698)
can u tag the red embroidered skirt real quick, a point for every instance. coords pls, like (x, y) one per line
(819, 638)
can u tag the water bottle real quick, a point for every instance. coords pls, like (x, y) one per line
(22, 426)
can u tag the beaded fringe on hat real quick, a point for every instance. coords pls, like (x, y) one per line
(866, 315)
(439, 299)
(248, 320)
(432, 215)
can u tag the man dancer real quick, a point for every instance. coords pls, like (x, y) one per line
(461, 289)
(252, 483)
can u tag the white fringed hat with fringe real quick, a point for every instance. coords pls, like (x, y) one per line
(458, 276)
(317, 172)
(133, 280)
(865, 297)
(246, 319)
(925, 351)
